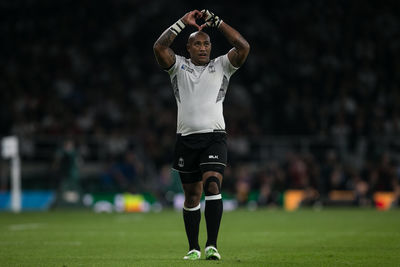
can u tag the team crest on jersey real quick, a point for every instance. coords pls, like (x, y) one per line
(186, 68)
(211, 69)
(181, 162)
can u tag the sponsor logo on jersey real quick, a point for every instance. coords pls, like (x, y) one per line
(186, 68)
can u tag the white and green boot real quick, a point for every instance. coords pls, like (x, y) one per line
(193, 255)
(212, 253)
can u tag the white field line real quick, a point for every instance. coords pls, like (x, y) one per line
(62, 243)
(128, 218)
(25, 226)
(45, 243)
(335, 233)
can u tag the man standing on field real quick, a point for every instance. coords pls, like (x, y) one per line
(199, 86)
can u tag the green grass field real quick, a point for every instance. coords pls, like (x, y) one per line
(334, 237)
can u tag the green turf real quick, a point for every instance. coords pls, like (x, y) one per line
(351, 237)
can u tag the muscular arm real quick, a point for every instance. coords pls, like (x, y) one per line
(241, 48)
(164, 54)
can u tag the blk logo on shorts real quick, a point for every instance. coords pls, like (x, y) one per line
(181, 162)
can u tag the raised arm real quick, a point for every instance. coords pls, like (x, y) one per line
(241, 48)
(164, 54)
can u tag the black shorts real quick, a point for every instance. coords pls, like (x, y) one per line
(198, 153)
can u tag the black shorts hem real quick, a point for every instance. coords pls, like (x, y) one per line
(213, 167)
(213, 163)
(185, 171)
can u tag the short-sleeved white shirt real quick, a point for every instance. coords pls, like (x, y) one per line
(199, 93)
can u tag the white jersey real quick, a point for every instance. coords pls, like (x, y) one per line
(199, 93)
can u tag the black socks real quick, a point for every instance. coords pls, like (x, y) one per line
(213, 215)
(191, 217)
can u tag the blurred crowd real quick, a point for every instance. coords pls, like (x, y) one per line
(328, 70)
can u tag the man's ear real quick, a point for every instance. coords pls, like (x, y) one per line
(187, 47)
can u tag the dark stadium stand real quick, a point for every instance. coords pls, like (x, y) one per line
(314, 108)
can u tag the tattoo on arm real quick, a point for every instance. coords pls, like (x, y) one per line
(236, 39)
(164, 54)
(166, 38)
(239, 42)
(240, 50)
(171, 53)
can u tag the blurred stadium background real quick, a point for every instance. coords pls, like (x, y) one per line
(313, 116)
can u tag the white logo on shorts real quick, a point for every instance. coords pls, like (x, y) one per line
(213, 156)
(181, 162)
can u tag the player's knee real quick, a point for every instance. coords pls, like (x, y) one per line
(212, 186)
(191, 201)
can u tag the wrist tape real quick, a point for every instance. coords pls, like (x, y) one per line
(211, 19)
(177, 27)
